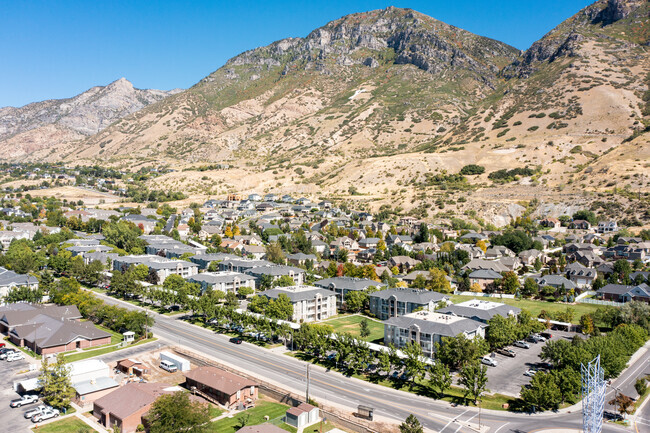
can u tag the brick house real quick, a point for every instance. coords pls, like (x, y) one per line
(229, 389)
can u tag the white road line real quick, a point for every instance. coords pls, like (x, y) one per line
(472, 417)
(452, 420)
(495, 431)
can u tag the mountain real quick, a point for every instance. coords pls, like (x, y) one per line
(386, 107)
(44, 126)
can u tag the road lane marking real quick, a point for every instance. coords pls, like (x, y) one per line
(502, 426)
(228, 349)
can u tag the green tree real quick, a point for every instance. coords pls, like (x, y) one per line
(21, 258)
(364, 329)
(244, 291)
(641, 386)
(543, 392)
(414, 361)
(473, 378)
(438, 281)
(440, 378)
(124, 235)
(586, 215)
(275, 254)
(501, 331)
(530, 289)
(177, 413)
(284, 281)
(383, 362)
(280, 308)
(587, 324)
(54, 380)
(516, 240)
(411, 425)
(459, 350)
(510, 282)
(24, 294)
(355, 300)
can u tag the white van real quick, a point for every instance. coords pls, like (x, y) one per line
(169, 366)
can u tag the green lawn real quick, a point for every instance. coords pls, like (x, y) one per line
(535, 307)
(351, 325)
(77, 356)
(215, 411)
(116, 337)
(71, 424)
(255, 416)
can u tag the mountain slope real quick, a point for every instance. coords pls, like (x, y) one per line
(45, 125)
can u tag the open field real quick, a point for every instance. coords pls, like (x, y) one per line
(254, 416)
(351, 324)
(71, 424)
(73, 193)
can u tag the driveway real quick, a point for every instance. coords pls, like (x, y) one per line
(508, 377)
(12, 419)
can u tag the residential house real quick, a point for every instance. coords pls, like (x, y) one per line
(624, 293)
(204, 260)
(581, 276)
(255, 251)
(228, 389)
(342, 285)
(227, 281)
(580, 225)
(403, 263)
(400, 301)
(552, 223)
(528, 257)
(369, 243)
(556, 281)
(241, 265)
(476, 264)
(484, 277)
(498, 251)
(11, 280)
(310, 304)
(398, 240)
(299, 259)
(607, 227)
(163, 267)
(276, 272)
(427, 328)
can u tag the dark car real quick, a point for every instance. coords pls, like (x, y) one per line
(506, 352)
(546, 335)
(612, 416)
(236, 340)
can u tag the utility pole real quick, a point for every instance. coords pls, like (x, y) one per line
(307, 394)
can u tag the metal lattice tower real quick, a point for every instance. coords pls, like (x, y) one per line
(593, 396)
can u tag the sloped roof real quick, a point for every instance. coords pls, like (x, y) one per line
(220, 380)
(130, 398)
(413, 296)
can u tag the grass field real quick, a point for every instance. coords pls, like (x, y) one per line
(535, 307)
(71, 424)
(351, 325)
(78, 356)
(255, 416)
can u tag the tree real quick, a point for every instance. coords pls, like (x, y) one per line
(476, 288)
(24, 294)
(516, 240)
(124, 235)
(355, 300)
(284, 281)
(473, 377)
(587, 324)
(383, 362)
(274, 253)
(414, 361)
(244, 291)
(440, 378)
(624, 403)
(55, 383)
(482, 245)
(586, 215)
(364, 329)
(438, 281)
(176, 412)
(543, 392)
(459, 350)
(510, 282)
(411, 425)
(641, 386)
(280, 308)
(472, 170)
(530, 289)
(501, 331)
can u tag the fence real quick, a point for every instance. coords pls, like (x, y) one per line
(332, 414)
(600, 302)
(485, 295)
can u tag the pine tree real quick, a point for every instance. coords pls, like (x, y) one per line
(411, 425)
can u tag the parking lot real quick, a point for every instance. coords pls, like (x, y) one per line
(508, 377)
(12, 418)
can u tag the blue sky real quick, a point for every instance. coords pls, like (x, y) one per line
(57, 49)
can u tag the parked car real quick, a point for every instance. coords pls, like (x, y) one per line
(236, 340)
(506, 352)
(3, 345)
(489, 361)
(612, 416)
(46, 414)
(521, 344)
(530, 372)
(25, 399)
(394, 375)
(546, 335)
(538, 338)
(15, 356)
(35, 411)
(168, 366)
(4, 352)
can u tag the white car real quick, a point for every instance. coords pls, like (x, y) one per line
(35, 411)
(538, 338)
(25, 399)
(530, 372)
(46, 414)
(16, 356)
(521, 344)
(489, 361)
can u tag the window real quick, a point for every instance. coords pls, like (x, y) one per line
(252, 390)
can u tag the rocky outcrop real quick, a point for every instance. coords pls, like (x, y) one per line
(84, 114)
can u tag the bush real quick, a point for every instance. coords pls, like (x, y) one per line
(472, 169)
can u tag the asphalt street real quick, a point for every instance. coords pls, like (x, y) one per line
(344, 392)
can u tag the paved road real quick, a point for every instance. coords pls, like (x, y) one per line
(336, 389)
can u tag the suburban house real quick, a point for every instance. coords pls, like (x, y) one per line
(581, 276)
(127, 406)
(528, 257)
(342, 285)
(556, 281)
(146, 224)
(241, 265)
(404, 263)
(310, 304)
(607, 227)
(479, 310)
(552, 223)
(427, 328)
(498, 251)
(477, 264)
(299, 259)
(400, 301)
(580, 225)
(10, 280)
(369, 243)
(161, 266)
(224, 281)
(204, 260)
(228, 389)
(91, 380)
(398, 240)
(484, 277)
(624, 293)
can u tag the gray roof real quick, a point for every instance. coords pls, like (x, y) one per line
(274, 270)
(615, 289)
(10, 278)
(478, 313)
(555, 281)
(412, 296)
(301, 256)
(50, 331)
(20, 313)
(217, 257)
(485, 274)
(211, 278)
(297, 296)
(348, 283)
(98, 384)
(449, 329)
